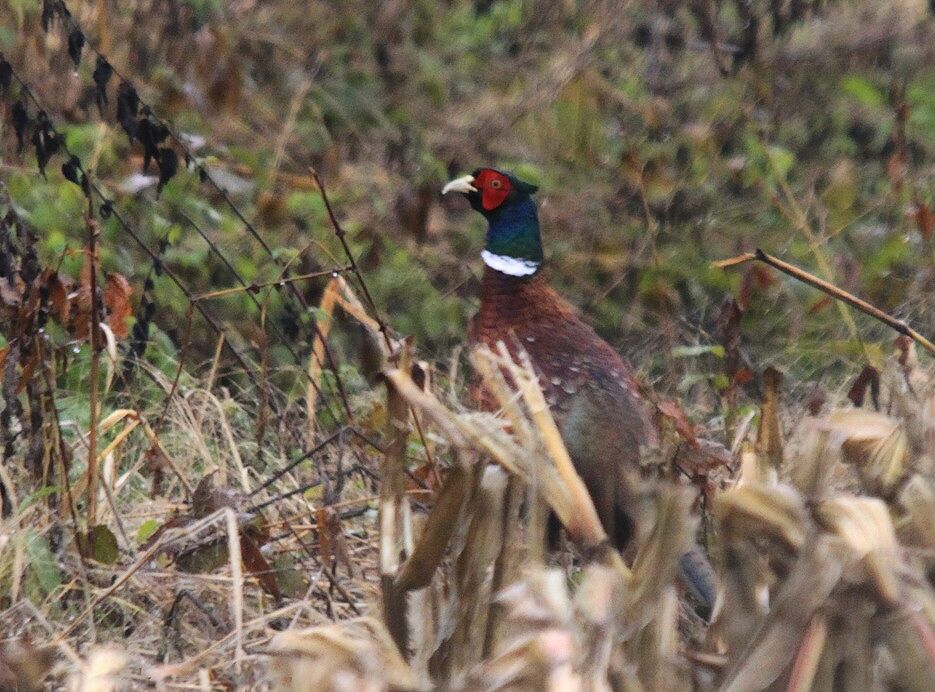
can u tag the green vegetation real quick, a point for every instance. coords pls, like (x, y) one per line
(652, 162)
(663, 136)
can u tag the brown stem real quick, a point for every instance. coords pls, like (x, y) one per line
(419, 568)
(255, 287)
(831, 290)
(394, 515)
(93, 234)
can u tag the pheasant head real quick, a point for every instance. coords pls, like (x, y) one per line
(513, 245)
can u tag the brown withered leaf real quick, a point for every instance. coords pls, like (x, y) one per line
(331, 543)
(896, 168)
(673, 412)
(868, 377)
(769, 438)
(155, 462)
(820, 304)
(741, 377)
(28, 368)
(117, 293)
(729, 337)
(324, 536)
(80, 325)
(29, 305)
(925, 220)
(755, 279)
(59, 288)
(422, 476)
(271, 208)
(257, 564)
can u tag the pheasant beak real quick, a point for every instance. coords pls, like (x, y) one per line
(463, 184)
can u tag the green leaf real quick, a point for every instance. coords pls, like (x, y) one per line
(42, 564)
(292, 582)
(40, 494)
(204, 558)
(863, 91)
(782, 160)
(147, 529)
(698, 350)
(306, 205)
(720, 382)
(102, 545)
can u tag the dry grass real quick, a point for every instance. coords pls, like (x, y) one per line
(822, 533)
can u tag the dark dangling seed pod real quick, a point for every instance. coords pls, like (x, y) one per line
(45, 139)
(71, 169)
(128, 105)
(49, 10)
(102, 74)
(20, 117)
(75, 45)
(6, 73)
(168, 167)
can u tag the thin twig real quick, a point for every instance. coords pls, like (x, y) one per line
(255, 287)
(186, 343)
(342, 236)
(831, 290)
(797, 216)
(205, 175)
(93, 234)
(284, 340)
(292, 464)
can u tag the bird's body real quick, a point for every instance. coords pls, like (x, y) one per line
(604, 420)
(590, 390)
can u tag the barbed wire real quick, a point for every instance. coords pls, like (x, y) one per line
(79, 175)
(167, 161)
(76, 43)
(206, 177)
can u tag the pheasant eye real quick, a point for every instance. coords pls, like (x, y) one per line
(496, 184)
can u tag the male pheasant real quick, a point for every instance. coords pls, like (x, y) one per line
(592, 392)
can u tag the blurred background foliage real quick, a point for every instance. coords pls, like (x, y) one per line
(663, 135)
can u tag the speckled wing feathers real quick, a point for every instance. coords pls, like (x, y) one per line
(572, 359)
(592, 393)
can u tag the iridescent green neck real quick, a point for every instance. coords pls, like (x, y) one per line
(513, 243)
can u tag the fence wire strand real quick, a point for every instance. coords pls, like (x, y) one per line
(93, 188)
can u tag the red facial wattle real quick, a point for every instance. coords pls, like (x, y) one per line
(494, 188)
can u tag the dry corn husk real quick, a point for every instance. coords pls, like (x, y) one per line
(351, 656)
(104, 671)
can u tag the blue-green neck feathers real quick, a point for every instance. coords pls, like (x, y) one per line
(513, 244)
(514, 233)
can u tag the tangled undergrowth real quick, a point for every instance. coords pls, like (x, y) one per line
(223, 468)
(368, 572)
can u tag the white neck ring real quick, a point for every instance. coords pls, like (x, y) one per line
(511, 266)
